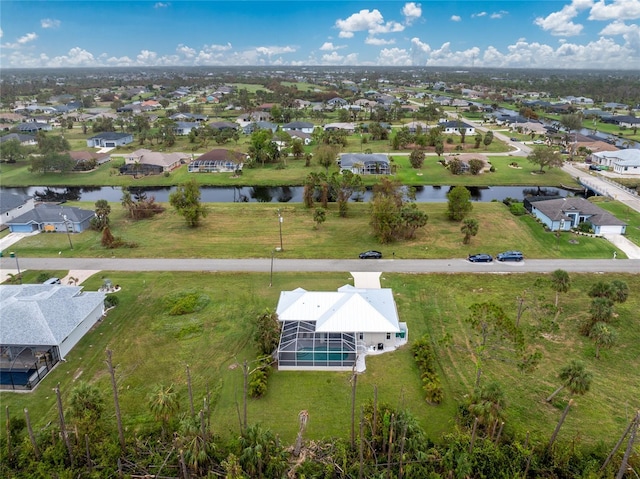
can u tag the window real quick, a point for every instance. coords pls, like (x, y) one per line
(388, 335)
(360, 336)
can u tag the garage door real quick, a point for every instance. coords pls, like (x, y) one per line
(610, 230)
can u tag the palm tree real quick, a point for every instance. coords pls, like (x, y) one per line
(469, 228)
(575, 377)
(603, 336)
(560, 282)
(163, 403)
(487, 403)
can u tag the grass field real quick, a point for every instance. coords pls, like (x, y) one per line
(150, 347)
(251, 230)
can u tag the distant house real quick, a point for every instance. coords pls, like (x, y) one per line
(303, 126)
(13, 205)
(189, 117)
(259, 125)
(27, 140)
(39, 325)
(327, 330)
(414, 126)
(86, 160)
(218, 161)
(299, 135)
(365, 163)
(149, 162)
(33, 127)
(52, 219)
(245, 118)
(183, 128)
(337, 102)
(348, 127)
(457, 127)
(628, 159)
(567, 213)
(109, 139)
(223, 125)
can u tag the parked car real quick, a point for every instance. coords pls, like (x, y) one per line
(52, 281)
(594, 167)
(480, 258)
(513, 139)
(538, 142)
(371, 255)
(510, 256)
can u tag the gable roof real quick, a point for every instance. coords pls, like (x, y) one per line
(110, 135)
(220, 154)
(347, 160)
(41, 314)
(347, 310)
(558, 209)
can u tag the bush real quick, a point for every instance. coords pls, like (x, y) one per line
(42, 277)
(585, 227)
(424, 357)
(111, 301)
(259, 377)
(517, 209)
(185, 302)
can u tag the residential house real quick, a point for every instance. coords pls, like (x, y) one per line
(246, 118)
(25, 140)
(87, 160)
(414, 126)
(33, 127)
(109, 139)
(456, 126)
(348, 127)
(365, 163)
(259, 125)
(610, 158)
(337, 102)
(567, 213)
(39, 326)
(51, 218)
(304, 137)
(223, 125)
(148, 161)
(13, 205)
(218, 160)
(303, 126)
(183, 128)
(191, 117)
(330, 331)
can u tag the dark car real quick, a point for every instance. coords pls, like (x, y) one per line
(510, 256)
(480, 258)
(371, 255)
(513, 139)
(594, 167)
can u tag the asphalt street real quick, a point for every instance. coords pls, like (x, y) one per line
(455, 265)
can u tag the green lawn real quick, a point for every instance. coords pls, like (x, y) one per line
(251, 230)
(150, 347)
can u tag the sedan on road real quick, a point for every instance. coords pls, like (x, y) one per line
(371, 255)
(480, 258)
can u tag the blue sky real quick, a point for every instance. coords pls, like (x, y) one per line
(599, 34)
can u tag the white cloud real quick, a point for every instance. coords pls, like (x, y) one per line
(334, 58)
(389, 27)
(270, 51)
(479, 14)
(618, 28)
(394, 57)
(218, 48)
(29, 37)
(162, 5)
(617, 10)
(186, 51)
(76, 57)
(366, 20)
(329, 46)
(456, 18)
(379, 41)
(411, 11)
(498, 15)
(49, 23)
(560, 23)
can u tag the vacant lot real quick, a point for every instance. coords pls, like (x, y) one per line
(151, 347)
(243, 230)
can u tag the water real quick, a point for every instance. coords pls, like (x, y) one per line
(279, 194)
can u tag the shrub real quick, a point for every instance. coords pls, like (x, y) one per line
(585, 227)
(111, 301)
(517, 209)
(259, 377)
(185, 302)
(42, 277)
(424, 357)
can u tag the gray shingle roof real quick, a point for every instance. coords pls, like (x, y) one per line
(46, 213)
(43, 315)
(10, 201)
(557, 210)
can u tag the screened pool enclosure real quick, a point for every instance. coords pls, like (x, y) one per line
(301, 346)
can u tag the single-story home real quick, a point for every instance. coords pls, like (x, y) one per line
(13, 205)
(189, 117)
(326, 330)
(567, 213)
(302, 126)
(627, 167)
(164, 161)
(84, 159)
(259, 125)
(109, 139)
(39, 326)
(414, 126)
(52, 218)
(33, 127)
(365, 163)
(610, 158)
(26, 140)
(345, 126)
(299, 135)
(454, 126)
(183, 128)
(223, 125)
(218, 160)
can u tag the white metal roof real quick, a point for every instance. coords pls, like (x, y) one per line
(347, 310)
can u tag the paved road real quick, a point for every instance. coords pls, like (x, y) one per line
(456, 265)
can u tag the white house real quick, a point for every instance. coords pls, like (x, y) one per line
(567, 213)
(457, 127)
(39, 326)
(332, 331)
(625, 158)
(109, 139)
(302, 126)
(13, 205)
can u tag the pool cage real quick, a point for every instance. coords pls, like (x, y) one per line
(22, 367)
(302, 347)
